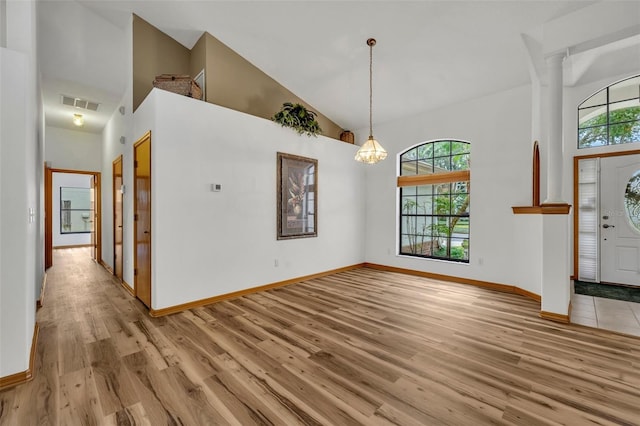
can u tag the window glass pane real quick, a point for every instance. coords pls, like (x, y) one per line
(595, 116)
(425, 151)
(440, 149)
(442, 164)
(626, 89)
(594, 136)
(409, 155)
(442, 188)
(599, 98)
(442, 204)
(624, 111)
(624, 133)
(460, 227)
(425, 203)
(632, 200)
(440, 248)
(425, 189)
(425, 167)
(408, 168)
(406, 191)
(460, 188)
(459, 147)
(459, 248)
(460, 204)
(407, 245)
(409, 205)
(460, 162)
(423, 224)
(408, 225)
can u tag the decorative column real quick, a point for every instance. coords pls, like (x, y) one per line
(554, 130)
(544, 231)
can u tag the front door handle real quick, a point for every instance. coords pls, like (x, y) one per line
(606, 225)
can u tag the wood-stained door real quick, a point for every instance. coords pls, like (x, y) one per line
(117, 218)
(142, 219)
(48, 217)
(92, 220)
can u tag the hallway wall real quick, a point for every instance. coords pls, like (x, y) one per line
(21, 180)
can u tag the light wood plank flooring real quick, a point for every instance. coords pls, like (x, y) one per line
(361, 347)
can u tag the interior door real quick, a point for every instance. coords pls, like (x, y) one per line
(142, 219)
(92, 215)
(48, 217)
(117, 218)
(620, 220)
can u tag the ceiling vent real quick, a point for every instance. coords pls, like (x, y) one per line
(80, 103)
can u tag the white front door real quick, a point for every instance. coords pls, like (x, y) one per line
(620, 219)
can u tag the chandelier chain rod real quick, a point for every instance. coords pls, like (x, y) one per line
(371, 90)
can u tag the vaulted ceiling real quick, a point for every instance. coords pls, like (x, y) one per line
(429, 53)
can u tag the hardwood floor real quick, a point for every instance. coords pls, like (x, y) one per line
(360, 347)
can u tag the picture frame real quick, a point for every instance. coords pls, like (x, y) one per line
(297, 196)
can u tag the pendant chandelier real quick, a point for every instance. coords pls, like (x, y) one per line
(371, 151)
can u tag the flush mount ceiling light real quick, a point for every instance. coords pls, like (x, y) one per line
(371, 151)
(78, 120)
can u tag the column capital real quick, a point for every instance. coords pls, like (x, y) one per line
(555, 58)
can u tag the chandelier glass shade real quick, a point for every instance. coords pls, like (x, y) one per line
(371, 151)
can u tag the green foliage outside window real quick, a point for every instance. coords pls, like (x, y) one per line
(622, 127)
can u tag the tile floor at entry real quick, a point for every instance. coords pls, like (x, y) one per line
(609, 314)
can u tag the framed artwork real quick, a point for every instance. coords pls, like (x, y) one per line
(297, 193)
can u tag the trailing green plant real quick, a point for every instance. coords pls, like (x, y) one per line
(298, 118)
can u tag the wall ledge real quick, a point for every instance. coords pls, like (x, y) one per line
(559, 208)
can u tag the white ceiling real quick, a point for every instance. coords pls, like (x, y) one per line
(429, 53)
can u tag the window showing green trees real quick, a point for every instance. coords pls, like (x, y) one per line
(611, 116)
(434, 200)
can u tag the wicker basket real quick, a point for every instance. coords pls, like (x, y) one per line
(347, 136)
(180, 84)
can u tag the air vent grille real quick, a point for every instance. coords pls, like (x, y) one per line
(79, 103)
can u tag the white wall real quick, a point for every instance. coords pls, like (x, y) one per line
(499, 129)
(73, 150)
(20, 179)
(119, 125)
(73, 181)
(210, 243)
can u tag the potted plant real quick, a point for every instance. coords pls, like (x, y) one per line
(298, 118)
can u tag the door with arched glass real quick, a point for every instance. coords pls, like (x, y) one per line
(620, 219)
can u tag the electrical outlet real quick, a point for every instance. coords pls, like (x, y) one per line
(275, 263)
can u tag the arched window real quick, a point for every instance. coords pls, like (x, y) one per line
(611, 116)
(434, 187)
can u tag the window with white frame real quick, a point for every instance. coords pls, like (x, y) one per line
(611, 116)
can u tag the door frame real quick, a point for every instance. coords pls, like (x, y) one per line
(576, 217)
(144, 138)
(120, 160)
(48, 205)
